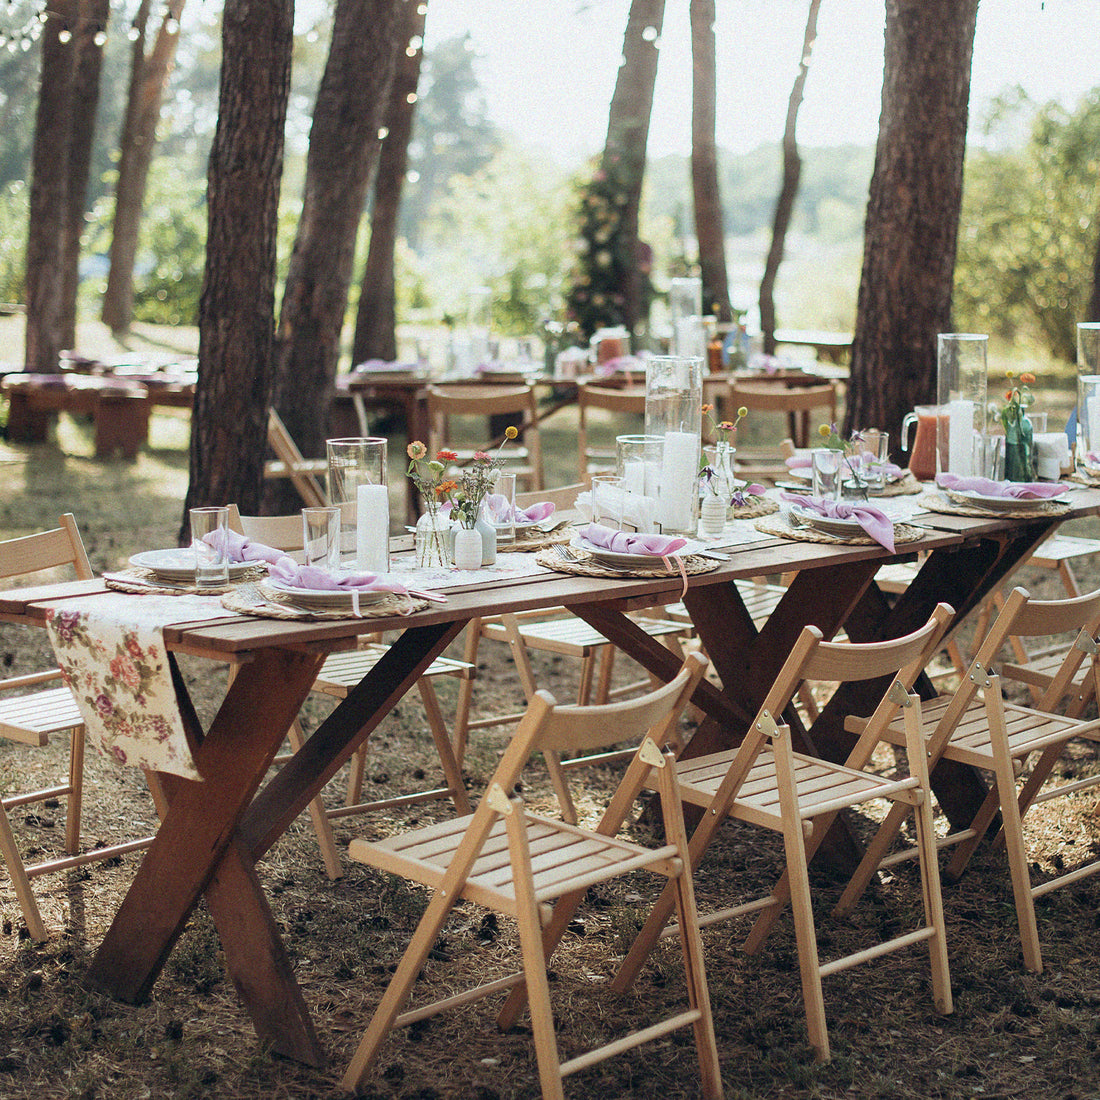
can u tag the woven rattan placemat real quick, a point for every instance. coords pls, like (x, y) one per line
(145, 581)
(939, 502)
(248, 599)
(778, 526)
(587, 566)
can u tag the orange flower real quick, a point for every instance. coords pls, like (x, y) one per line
(447, 456)
(1027, 379)
(445, 487)
(1008, 395)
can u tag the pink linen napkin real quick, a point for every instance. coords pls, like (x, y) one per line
(312, 576)
(627, 542)
(798, 462)
(533, 513)
(1020, 490)
(242, 548)
(877, 525)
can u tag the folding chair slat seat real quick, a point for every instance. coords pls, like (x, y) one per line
(517, 864)
(976, 726)
(34, 717)
(765, 783)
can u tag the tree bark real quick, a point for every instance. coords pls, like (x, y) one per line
(1093, 312)
(912, 210)
(342, 146)
(627, 134)
(49, 184)
(94, 17)
(237, 308)
(792, 173)
(709, 230)
(376, 321)
(137, 143)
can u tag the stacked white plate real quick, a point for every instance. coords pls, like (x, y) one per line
(828, 525)
(319, 599)
(177, 564)
(627, 561)
(1003, 504)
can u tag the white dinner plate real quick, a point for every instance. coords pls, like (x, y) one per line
(627, 561)
(829, 525)
(1003, 504)
(178, 563)
(320, 599)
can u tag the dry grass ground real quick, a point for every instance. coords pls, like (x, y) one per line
(1012, 1033)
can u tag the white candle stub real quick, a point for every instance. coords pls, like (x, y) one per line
(1092, 408)
(679, 470)
(960, 437)
(372, 543)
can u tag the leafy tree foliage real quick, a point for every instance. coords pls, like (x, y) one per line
(1029, 226)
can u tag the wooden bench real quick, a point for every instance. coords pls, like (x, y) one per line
(119, 407)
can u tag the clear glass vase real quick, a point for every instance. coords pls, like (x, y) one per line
(431, 540)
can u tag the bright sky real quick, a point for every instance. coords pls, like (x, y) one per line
(548, 67)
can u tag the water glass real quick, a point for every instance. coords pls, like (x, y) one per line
(321, 537)
(875, 454)
(989, 457)
(826, 467)
(607, 501)
(210, 543)
(502, 508)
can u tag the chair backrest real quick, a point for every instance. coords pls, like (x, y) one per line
(46, 550)
(281, 532)
(286, 451)
(780, 398)
(610, 399)
(563, 498)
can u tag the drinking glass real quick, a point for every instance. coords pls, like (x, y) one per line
(989, 456)
(355, 462)
(321, 537)
(825, 466)
(502, 508)
(210, 543)
(607, 501)
(875, 454)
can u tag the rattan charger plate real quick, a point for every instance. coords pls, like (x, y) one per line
(588, 566)
(778, 526)
(756, 507)
(145, 582)
(537, 541)
(938, 502)
(906, 485)
(247, 599)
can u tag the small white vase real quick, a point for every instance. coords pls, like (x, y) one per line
(467, 548)
(712, 514)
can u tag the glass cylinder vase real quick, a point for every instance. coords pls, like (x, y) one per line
(431, 540)
(355, 464)
(1088, 396)
(962, 385)
(673, 412)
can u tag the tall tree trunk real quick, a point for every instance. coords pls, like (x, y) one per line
(709, 230)
(342, 146)
(1093, 313)
(912, 210)
(627, 135)
(375, 320)
(148, 78)
(792, 173)
(94, 16)
(49, 184)
(237, 308)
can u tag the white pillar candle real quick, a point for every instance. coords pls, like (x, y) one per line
(652, 478)
(372, 544)
(679, 470)
(960, 437)
(1093, 413)
(634, 476)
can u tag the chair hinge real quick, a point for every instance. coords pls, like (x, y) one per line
(899, 696)
(498, 800)
(1086, 643)
(649, 753)
(979, 675)
(766, 724)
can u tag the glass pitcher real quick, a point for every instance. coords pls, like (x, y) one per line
(922, 458)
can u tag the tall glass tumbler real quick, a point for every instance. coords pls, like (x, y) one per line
(210, 543)
(673, 412)
(962, 381)
(1088, 395)
(355, 464)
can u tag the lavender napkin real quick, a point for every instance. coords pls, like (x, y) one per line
(242, 548)
(1020, 490)
(798, 462)
(311, 576)
(877, 525)
(533, 513)
(626, 542)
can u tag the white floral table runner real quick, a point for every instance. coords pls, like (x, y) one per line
(507, 567)
(110, 649)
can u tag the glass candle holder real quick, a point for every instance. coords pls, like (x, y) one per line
(673, 412)
(356, 470)
(1088, 395)
(962, 391)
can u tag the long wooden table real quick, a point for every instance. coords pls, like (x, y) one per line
(215, 832)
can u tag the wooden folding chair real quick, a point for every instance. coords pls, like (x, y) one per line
(612, 399)
(976, 726)
(764, 782)
(338, 675)
(31, 718)
(518, 863)
(290, 462)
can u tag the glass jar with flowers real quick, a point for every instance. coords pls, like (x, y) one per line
(475, 539)
(428, 475)
(717, 475)
(1019, 435)
(853, 467)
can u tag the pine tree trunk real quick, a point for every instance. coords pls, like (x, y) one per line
(375, 320)
(343, 144)
(49, 184)
(94, 17)
(627, 135)
(709, 230)
(912, 211)
(237, 308)
(792, 173)
(137, 143)
(1093, 313)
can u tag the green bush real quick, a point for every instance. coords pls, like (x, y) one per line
(14, 200)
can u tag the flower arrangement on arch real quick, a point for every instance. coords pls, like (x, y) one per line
(473, 482)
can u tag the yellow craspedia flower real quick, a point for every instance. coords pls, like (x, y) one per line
(742, 413)
(511, 432)
(824, 431)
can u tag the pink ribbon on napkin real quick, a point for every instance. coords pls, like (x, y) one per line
(627, 542)
(1020, 490)
(242, 548)
(877, 525)
(312, 576)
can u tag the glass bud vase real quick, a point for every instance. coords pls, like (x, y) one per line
(1019, 448)
(467, 548)
(431, 541)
